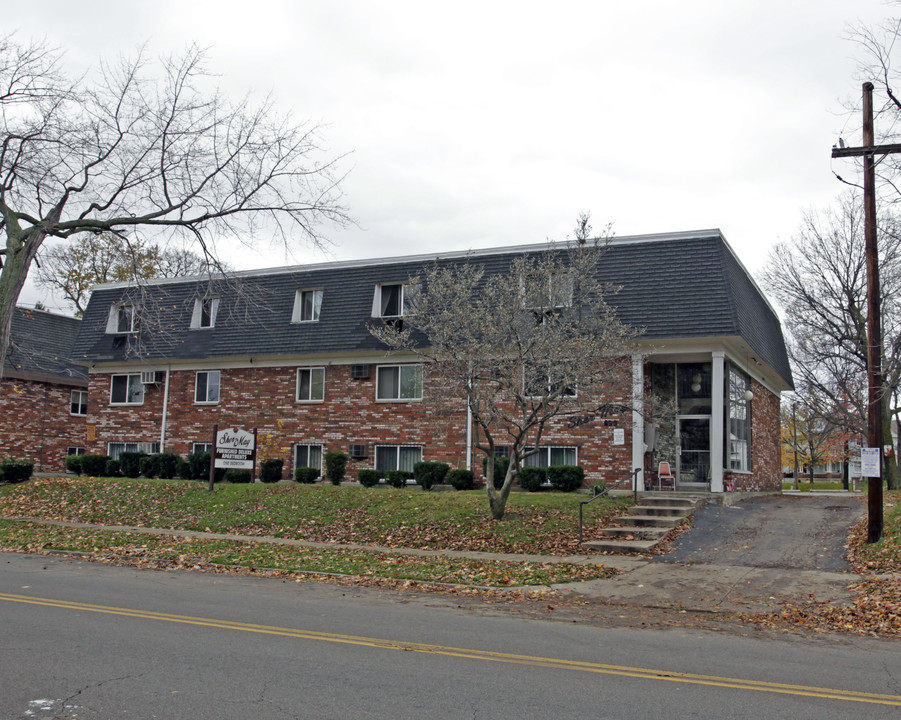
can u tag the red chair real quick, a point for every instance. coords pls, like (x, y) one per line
(665, 475)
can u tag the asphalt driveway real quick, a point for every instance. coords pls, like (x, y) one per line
(805, 532)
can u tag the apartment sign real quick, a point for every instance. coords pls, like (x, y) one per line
(235, 448)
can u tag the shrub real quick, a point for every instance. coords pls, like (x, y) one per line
(531, 478)
(183, 469)
(150, 466)
(130, 463)
(73, 464)
(461, 479)
(306, 475)
(94, 465)
(398, 478)
(235, 475)
(167, 464)
(335, 466)
(271, 470)
(368, 477)
(429, 474)
(199, 464)
(566, 477)
(501, 463)
(113, 468)
(16, 471)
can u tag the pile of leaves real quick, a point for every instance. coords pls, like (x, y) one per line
(536, 523)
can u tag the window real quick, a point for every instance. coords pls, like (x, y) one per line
(74, 451)
(79, 404)
(206, 388)
(549, 456)
(542, 385)
(308, 456)
(200, 447)
(205, 311)
(307, 304)
(547, 291)
(126, 390)
(114, 449)
(395, 299)
(397, 457)
(399, 382)
(738, 419)
(310, 384)
(124, 319)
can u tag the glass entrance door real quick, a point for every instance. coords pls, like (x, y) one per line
(694, 451)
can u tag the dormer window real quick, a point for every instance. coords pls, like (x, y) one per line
(307, 304)
(547, 291)
(205, 311)
(395, 299)
(123, 319)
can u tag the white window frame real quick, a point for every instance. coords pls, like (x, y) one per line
(738, 417)
(207, 400)
(536, 459)
(134, 380)
(408, 293)
(382, 450)
(551, 296)
(311, 370)
(308, 447)
(300, 306)
(79, 450)
(129, 312)
(79, 406)
(202, 447)
(401, 371)
(198, 316)
(113, 448)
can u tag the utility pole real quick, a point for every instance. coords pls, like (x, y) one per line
(875, 389)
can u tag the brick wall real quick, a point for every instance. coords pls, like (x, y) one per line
(36, 423)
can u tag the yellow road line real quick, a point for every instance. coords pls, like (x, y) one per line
(472, 654)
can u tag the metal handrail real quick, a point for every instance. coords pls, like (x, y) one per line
(604, 493)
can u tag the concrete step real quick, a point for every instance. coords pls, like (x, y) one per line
(620, 546)
(634, 532)
(677, 502)
(650, 520)
(661, 511)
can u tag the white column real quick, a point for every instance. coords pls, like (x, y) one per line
(638, 421)
(717, 392)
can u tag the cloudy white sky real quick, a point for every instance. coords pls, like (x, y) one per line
(481, 124)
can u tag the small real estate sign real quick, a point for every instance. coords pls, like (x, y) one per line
(870, 462)
(235, 448)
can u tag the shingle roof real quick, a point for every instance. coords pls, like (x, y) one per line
(679, 285)
(40, 344)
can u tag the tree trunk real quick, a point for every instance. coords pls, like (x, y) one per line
(497, 499)
(16, 263)
(890, 465)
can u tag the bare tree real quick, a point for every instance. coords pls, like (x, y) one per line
(123, 150)
(71, 269)
(518, 348)
(819, 277)
(808, 432)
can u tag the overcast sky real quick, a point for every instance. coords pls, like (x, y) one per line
(482, 124)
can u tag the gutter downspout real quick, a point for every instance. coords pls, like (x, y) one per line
(469, 429)
(165, 412)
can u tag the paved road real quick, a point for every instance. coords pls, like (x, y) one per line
(89, 641)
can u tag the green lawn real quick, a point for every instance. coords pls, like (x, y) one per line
(536, 523)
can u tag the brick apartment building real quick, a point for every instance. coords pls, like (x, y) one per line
(288, 351)
(43, 397)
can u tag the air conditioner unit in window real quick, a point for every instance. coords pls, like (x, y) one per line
(149, 377)
(360, 372)
(358, 451)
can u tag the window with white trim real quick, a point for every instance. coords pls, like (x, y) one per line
(126, 390)
(550, 456)
(205, 312)
(79, 403)
(310, 384)
(307, 305)
(395, 299)
(399, 382)
(397, 457)
(543, 384)
(547, 291)
(75, 450)
(201, 447)
(206, 386)
(738, 419)
(308, 456)
(123, 319)
(114, 449)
